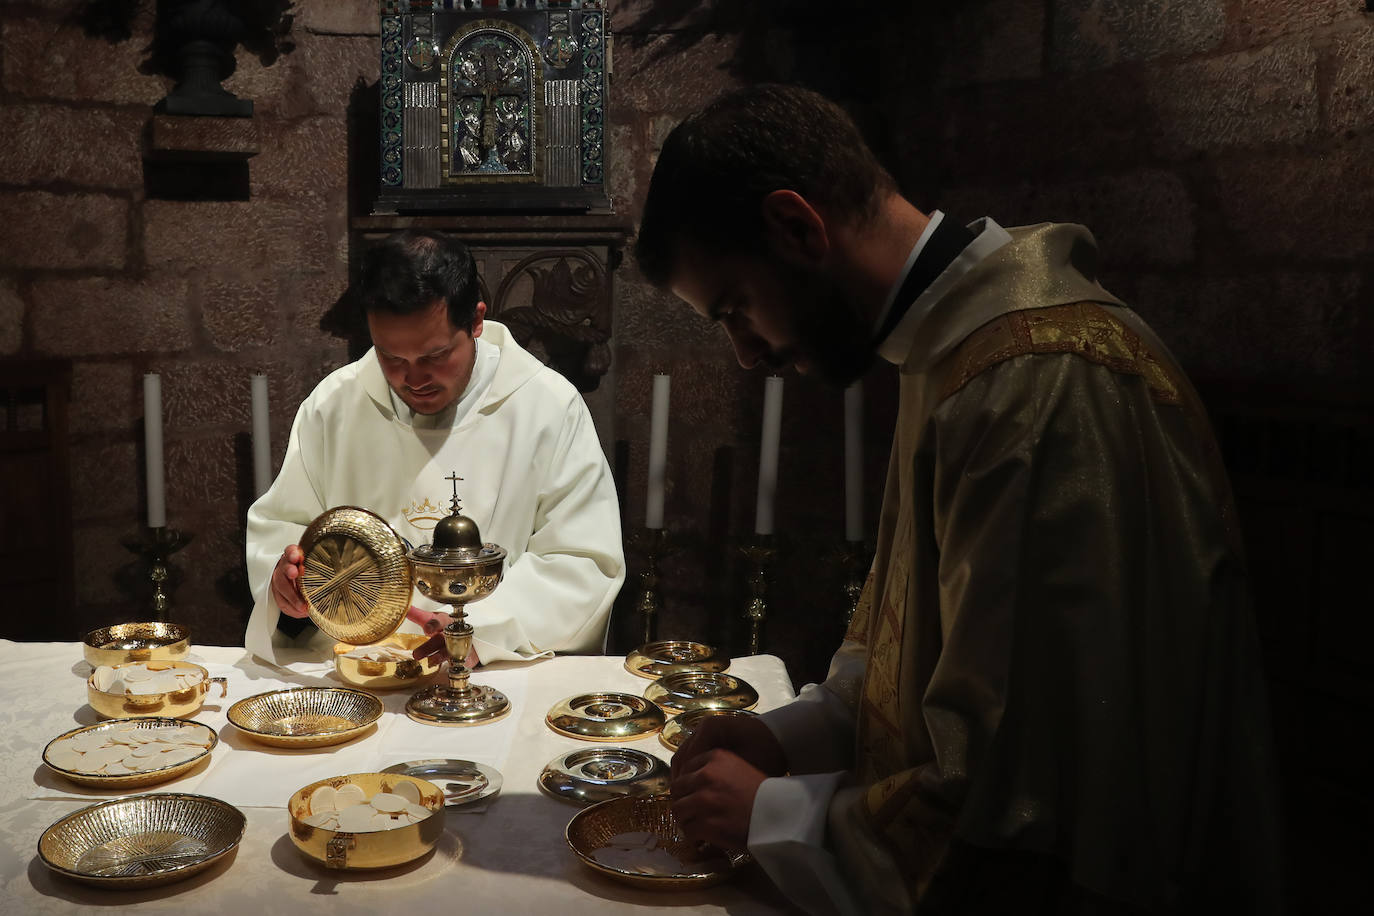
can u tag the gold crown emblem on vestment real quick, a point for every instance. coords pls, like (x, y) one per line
(423, 514)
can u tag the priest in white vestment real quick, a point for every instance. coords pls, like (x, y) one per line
(442, 391)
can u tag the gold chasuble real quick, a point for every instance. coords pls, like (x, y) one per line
(1063, 708)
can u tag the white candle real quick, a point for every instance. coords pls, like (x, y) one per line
(262, 443)
(658, 453)
(152, 450)
(768, 454)
(853, 462)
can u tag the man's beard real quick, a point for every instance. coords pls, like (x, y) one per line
(832, 336)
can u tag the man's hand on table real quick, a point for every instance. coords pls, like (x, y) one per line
(433, 624)
(286, 583)
(716, 774)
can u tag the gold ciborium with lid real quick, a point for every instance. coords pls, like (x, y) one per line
(357, 581)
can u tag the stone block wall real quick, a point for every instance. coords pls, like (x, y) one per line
(1220, 150)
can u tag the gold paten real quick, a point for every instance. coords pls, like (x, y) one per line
(687, 690)
(593, 828)
(142, 841)
(669, 656)
(385, 675)
(136, 642)
(595, 774)
(605, 716)
(680, 728)
(356, 580)
(375, 849)
(175, 704)
(131, 780)
(306, 716)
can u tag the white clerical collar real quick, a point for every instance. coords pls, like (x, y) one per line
(988, 238)
(934, 220)
(483, 371)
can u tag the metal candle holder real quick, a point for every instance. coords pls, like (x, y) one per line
(156, 546)
(759, 552)
(648, 605)
(854, 558)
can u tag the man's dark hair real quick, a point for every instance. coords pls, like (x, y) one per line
(410, 270)
(718, 165)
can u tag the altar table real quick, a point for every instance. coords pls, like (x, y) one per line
(502, 855)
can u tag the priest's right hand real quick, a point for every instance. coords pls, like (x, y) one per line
(744, 736)
(286, 583)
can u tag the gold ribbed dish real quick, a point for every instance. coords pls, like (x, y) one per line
(605, 716)
(142, 841)
(356, 578)
(131, 780)
(698, 864)
(373, 849)
(306, 716)
(136, 642)
(669, 656)
(679, 728)
(687, 690)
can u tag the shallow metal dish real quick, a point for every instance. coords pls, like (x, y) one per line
(593, 828)
(385, 675)
(306, 716)
(669, 656)
(143, 840)
(356, 578)
(687, 690)
(132, 780)
(596, 774)
(680, 728)
(373, 849)
(175, 703)
(605, 716)
(136, 642)
(463, 781)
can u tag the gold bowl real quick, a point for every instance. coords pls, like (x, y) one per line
(375, 849)
(680, 728)
(306, 716)
(605, 716)
(385, 675)
(596, 828)
(143, 840)
(175, 703)
(131, 780)
(136, 642)
(669, 656)
(688, 690)
(355, 577)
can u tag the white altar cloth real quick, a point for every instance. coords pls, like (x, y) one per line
(506, 854)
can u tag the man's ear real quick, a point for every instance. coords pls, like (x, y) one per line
(478, 314)
(795, 229)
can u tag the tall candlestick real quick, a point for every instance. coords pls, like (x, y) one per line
(658, 453)
(152, 450)
(853, 462)
(262, 445)
(768, 454)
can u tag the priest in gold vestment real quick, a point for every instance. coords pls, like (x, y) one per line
(1050, 698)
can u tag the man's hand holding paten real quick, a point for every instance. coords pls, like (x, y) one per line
(716, 774)
(286, 583)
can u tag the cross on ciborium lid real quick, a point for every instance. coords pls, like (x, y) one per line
(457, 540)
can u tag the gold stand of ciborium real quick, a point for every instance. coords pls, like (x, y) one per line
(457, 569)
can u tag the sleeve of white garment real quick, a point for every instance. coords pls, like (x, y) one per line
(557, 595)
(276, 520)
